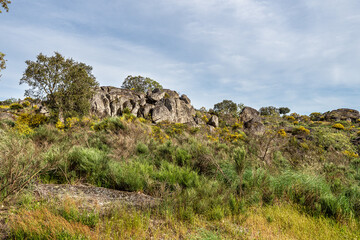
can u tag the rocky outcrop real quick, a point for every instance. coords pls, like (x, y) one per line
(7, 116)
(248, 114)
(214, 121)
(252, 121)
(158, 105)
(342, 114)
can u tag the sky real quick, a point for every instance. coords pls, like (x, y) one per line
(302, 54)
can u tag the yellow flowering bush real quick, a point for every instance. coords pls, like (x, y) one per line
(86, 121)
(290, 118)
(158, 134)
(237, 125)
(235, 137)
(315, 116)
(338, 126)
(16, 106)
(350, 154)
(205, 118)
(32, 120)
(281, 133)
(4, 106)
(305, 118)
(60, 125)
(71, 122)
(128, 117)
(175, 129)
(142, 120)
(212, 138)
(22, 129)
(29, 99)
(301, 130)
(26, 104)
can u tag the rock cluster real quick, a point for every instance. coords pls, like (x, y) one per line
(342, 114)
(157, 105)
(252, 121)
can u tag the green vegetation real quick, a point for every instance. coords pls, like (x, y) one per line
(2, 62)
(65, 85)
(140, 84)
(268, 111)
(4, 5)
(228, 107)
(300, 179)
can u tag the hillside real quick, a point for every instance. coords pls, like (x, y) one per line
(150, 166)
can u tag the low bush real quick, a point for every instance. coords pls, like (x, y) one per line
(113, 124)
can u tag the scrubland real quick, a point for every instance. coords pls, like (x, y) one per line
(298, 180)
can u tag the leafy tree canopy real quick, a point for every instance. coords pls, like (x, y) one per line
(284, 110)
(65, 85)
(4, 5)
(140, 84)
(228, 107)
(270, 110)
(2, 62)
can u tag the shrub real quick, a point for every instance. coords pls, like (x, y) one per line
(26, 104)
(268, 111)
(132, 176)
(315, 116)
(182, 157)
(60, 125)
(72, 121)
(16, 106)
(350, 154)
(29, 99)
(32, 120)
(281, 133)
(290, 118)
(112, 124)
(338, 140)
(301, 130)
(338, 126)
(20, 163)
(142, 148)
(88, 163)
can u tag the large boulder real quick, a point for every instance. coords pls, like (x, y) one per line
(254, 127)
(159, 104)
(214, 121)
(252, 121)
(342, 114)
(248, 114)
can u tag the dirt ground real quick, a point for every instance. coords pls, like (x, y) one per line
(89, 196)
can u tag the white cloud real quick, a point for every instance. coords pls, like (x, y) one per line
(257, 52)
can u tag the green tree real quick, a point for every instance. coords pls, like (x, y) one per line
(228, 107)
(267, 111)
(140, 84)
(2, 62)
(65, 86)
(284, 110)
(4, 5)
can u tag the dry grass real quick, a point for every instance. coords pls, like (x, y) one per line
(43, 224)
(286, 222)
